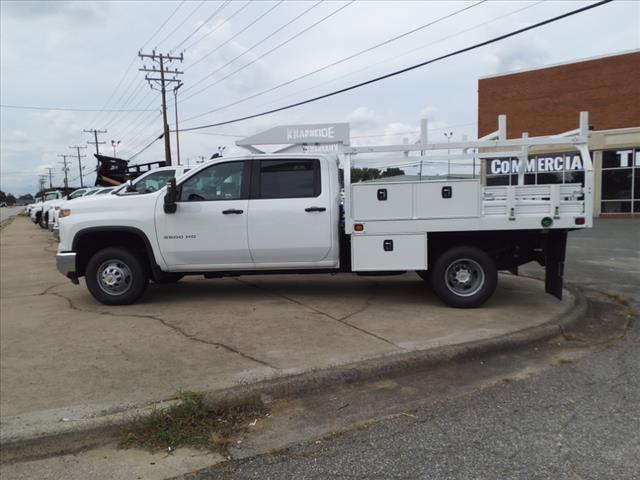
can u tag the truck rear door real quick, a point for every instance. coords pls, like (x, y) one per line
(289, 212)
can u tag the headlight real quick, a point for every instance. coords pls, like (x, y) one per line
(65, 212)
(57, 207)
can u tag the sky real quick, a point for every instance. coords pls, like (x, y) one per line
(76, 61)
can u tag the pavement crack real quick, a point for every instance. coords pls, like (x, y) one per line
(342, 320)
(167, 324)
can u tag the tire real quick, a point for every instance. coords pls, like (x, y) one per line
(464, 277)
(116, 276)
(42, 221)
(168, 278)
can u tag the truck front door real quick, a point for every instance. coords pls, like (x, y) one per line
(289, 212)
(209, 228)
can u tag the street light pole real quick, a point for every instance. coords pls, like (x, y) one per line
(175, 99)
(114, 144)
(448, 135)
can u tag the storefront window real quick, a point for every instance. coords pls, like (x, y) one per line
(541, 169)
(620, 180)
(616, 207)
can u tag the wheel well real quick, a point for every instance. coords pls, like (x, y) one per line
(508, 249)
(87, 244)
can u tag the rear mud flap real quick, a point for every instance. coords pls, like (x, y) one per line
(554, 262)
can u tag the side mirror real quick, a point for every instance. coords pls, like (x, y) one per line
(130, 186)
(170, 197)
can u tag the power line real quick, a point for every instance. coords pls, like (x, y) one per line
(182, 23)
(280, 45)
(410, 68)
(67, 109)
(219, 26)
(144, 148)
(260, 42)
(207, 20)
(395, 57)
(240, 32)
(338, 62)
(163, 24)
(131, 63)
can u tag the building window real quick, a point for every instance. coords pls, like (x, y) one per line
(620, 181)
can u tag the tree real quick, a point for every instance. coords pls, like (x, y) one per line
(3, 196)
(364, 174)
(11, 200)
(392, 172)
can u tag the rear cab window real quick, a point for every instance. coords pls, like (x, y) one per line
(295, 178)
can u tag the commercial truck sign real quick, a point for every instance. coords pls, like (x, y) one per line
(540, 163)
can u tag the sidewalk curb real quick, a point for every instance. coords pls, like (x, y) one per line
(72, 436)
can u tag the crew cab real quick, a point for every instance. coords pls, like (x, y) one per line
(300, 213)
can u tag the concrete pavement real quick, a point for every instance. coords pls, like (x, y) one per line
(64, 356)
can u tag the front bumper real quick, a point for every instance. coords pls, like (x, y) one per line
(66, 263)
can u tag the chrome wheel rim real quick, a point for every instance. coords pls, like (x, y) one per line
(114, 277)
(464, 277)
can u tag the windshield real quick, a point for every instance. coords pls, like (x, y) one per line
(153, 182)
(76, 194)
(92, 192)
(51, 196)
(105, 190)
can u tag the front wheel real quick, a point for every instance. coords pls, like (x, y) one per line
(116, 276)
(464, 277)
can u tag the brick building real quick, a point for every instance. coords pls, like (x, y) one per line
(548, 100)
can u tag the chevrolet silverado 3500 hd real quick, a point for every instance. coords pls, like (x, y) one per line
(300, 213)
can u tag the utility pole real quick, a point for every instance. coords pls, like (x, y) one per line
(65, 169)
(80, 167)
(161, 84)
(42, 181)
(50, 180)
(175, 99)
(95, 138)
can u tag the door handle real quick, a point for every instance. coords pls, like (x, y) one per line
(232, 211)
(315, 209)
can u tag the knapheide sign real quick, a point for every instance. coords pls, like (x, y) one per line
(544, 164)
(300, 134)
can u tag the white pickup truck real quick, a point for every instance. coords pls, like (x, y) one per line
(40, 209)
(294, 213)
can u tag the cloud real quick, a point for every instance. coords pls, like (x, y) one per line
(364, 118)
(520, 55)
(69, 10)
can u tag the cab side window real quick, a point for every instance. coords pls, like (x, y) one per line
(289, 178)
(223, 181)
(154, 181)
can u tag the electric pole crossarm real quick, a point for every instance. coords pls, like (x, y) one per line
(148, 78)
(155, 70)
(155, 56)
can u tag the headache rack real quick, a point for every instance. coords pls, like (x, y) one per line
(407, 203)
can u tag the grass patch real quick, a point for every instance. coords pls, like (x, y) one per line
(191, 423)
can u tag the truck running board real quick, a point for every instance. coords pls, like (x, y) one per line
(554, 262)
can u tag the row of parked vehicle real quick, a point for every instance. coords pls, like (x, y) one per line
(46, 209)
